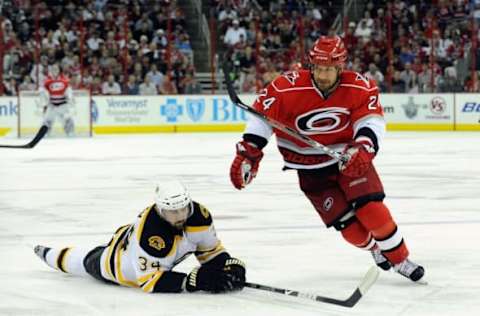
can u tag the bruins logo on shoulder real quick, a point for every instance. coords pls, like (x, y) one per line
(156, 242)
(204, 211)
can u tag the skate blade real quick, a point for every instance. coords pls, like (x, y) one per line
(422, 282)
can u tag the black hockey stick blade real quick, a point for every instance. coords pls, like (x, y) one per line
(286, 129)
(368, 280)
(40, 134)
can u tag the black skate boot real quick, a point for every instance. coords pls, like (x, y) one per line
(380, 259)
(410, 270)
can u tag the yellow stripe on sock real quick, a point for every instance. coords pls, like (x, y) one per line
(61, 259)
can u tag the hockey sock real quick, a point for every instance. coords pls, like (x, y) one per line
(358, 236)
(68, 260)
(376, 218)
(69, 127)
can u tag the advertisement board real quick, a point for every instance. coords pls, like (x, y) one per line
(183, 113)
(8, 115)
(467, 112)
(209, 113)
(416, 112)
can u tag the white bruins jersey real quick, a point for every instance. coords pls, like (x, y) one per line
(142, 254)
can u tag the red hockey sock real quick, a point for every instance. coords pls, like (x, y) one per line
(358, 236)
(376, 218)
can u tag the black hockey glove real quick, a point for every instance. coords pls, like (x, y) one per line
(230, 277)
(235, 269)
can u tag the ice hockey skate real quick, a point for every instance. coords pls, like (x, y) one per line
(380, 260)
(41, 251)
(411, 270)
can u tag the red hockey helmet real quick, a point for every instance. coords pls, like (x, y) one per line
(328, 51)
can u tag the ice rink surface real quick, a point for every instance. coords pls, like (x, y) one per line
(76, 192)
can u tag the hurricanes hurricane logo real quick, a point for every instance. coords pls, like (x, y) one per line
(57, 86)
(323, 121)
(327, 204)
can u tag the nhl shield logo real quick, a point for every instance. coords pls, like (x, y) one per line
(195, 109)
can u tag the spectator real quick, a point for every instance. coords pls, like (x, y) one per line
(374, 74)
(96, 86)
(363, 30)
(160, 39)
(168, 87)
(227, 14)
(410, 78)
(406, 55)
(427, 82)
(248, 80)
(111, 87)
(233, 33)
(39, 69)
(183, 45)
(131, 88)
(50, 41)
(155, 76)
(94, 42)
(148, 87)
(191, 85)
(449, 83)
(27, 84)
(398, 85)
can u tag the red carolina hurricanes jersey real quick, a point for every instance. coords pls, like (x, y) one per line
(57, 89)
(332, 120)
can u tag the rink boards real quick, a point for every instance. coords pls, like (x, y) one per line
(216, 113)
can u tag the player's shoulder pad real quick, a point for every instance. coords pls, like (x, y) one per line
(200, 216)
(356, 80)
(157, 236)
(292, 80)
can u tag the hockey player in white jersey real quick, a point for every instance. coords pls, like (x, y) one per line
(143, 254)
(57, 95)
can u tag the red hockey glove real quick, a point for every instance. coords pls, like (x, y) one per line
(360, 156)
(245, 165)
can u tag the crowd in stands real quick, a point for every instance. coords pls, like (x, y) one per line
(125, 43)
(264, 38)
(122, 44)
(426, 36)
(417, 26)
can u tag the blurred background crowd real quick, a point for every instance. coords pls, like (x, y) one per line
(146, 47)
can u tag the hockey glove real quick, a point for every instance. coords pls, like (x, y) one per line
(235, 269)
(245, 165)
(206, 278)
(360, 156)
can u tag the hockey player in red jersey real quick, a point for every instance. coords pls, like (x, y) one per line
(58, 97)
(340, 109)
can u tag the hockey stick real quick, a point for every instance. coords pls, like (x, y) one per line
(370, 277)
(288, 130)
(40, 134)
